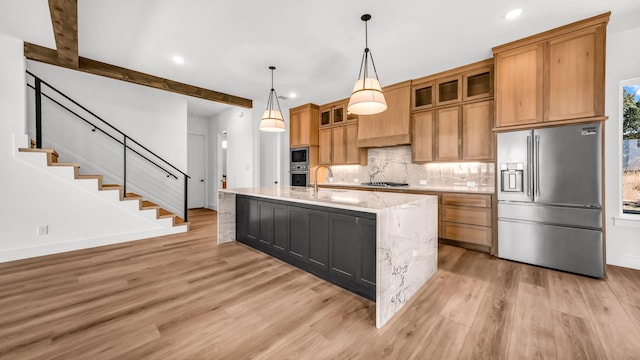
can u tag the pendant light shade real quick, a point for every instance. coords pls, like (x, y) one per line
(367, 97)
(272, 120)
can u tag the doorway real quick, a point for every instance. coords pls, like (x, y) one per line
(196, 150)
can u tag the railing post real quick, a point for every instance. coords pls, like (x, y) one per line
(38, 113)
(186, 192)
(124, 165)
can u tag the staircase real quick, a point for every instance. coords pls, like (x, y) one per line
(143, 205)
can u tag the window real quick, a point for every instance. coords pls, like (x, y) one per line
(631, 147)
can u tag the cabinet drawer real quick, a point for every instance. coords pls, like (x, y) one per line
(468, 233)
(476, 200)
(468, 215)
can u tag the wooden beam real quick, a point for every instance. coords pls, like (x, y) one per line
(64, 18)
(50, 56)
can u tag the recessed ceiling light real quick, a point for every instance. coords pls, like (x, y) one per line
(178, 59)
(293, 95)
(513, 14)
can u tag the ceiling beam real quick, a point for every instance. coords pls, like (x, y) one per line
(64, 18)
(50, 56)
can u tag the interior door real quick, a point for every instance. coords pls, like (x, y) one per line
(196, 169)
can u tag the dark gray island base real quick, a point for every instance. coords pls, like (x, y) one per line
(336, 245)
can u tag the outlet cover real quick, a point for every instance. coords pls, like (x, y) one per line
(471, 183)
(423, 182)
(43, 229)
(355, 180)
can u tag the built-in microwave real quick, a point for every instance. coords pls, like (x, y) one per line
(300, 155)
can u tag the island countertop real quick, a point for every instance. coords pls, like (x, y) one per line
(365, 201)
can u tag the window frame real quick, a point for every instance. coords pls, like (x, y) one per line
(623, 218)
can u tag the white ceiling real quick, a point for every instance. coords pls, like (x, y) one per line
(316, 46)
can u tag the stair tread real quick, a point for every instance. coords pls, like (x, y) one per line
(39, 150)
(89, 177)
(148, 204)
(65, 164)
(111, 187)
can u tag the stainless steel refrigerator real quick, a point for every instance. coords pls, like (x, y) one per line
(550, 198)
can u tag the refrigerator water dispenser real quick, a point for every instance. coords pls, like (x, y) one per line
(512, 177)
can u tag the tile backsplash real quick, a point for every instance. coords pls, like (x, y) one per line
(394, 164)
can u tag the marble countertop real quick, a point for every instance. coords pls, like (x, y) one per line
(462, 189)
(357, 200)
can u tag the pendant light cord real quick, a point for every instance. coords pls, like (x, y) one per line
(364, 65)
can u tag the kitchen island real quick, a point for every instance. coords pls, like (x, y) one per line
(363, 241)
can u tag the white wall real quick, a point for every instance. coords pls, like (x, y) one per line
(623, 236)
(243, 166)
(155, 118)
(31, 196)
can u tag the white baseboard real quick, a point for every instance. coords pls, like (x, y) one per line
(80, 244)
(212, 206)
(624, 260)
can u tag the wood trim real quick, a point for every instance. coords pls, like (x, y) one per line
(550, 124)
(50, 56)
(303, 107)
(595, 20)
(64, 19)
(403, 139)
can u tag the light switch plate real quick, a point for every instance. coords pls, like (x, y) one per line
(43, 229)
(423, 182)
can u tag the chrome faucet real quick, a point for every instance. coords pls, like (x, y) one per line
(315, 178)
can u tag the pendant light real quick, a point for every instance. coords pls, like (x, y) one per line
(367, 97)
(272, 119)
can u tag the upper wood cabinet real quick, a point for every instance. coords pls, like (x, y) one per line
(462, 84)
(303, 128)
(477, 136)
(555, 76)
(422, 136)
(574, 83)
(519, 86)
(448, 134)
(336, 113)
(325, 148)
(392, 126)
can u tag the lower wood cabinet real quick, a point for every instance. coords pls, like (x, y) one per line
(466, 218)
(334, 244)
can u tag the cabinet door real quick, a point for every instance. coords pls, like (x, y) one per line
(574, 82)
(296, 131)
(265, 223)
(339, 152)
(338, 114)
(247, 220)
(280, 228)
(448, 134)
(325, 116)
(324, 150)
(477, 84)
(298, 233)
(318, 239)
(422, 96)
(477, 134)
(351, 144)
(392, 126)
(343, 245)
(423, 133)
(519, 86)
(448, 90)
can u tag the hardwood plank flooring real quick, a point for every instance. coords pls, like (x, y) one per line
(185, 297)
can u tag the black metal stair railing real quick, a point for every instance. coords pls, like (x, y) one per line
(119, 137)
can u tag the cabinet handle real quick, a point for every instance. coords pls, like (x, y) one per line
(529, 166)
(537, 184)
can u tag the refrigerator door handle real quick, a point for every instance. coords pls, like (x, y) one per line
(537, 169)
(529, 172)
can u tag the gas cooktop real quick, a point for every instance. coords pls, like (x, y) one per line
(384, 184)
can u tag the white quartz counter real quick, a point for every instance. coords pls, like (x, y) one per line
(406, 234)
(365, 201)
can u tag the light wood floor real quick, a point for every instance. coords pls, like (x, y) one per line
(184, 297)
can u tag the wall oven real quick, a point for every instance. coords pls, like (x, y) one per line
(300, 166)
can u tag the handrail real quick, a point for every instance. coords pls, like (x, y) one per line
(104, 121)
(126, 138)
(95, 127)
